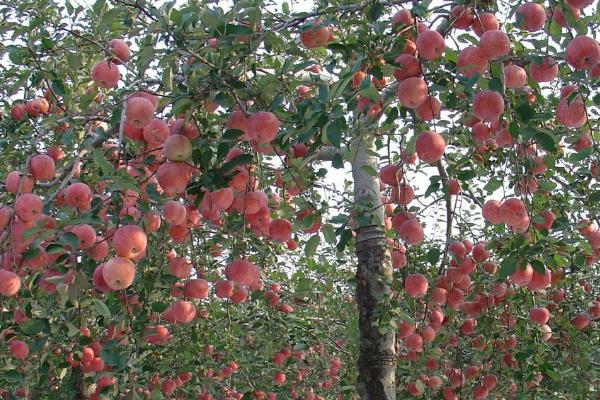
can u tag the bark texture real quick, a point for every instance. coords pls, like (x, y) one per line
(79, 387)
(377, 360)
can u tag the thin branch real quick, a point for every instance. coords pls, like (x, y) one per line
(449, 214)
(340, 10)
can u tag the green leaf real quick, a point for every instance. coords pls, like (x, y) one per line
(369, 170)
(15, 55)
(167, 79)
(550, 372)
(581, 27)
(525, 111)
(344, 239)
(98, 6)
(159, 307)
(377, 72)
(181, 105)
(112, 358)
(19, 83)
(156, 394)
(507, 267)
(239, 160)
(58, 87)
(232, 135)
(375, 11)
(525, 133)
(583, 154)
(433, 255)
(538, 266)
(337, 161)
(31, 232)
(496, 85)
(595, 196)
(420, 8)
(559, 260)
(580, 260)
(107, 19)
(493, 184)
(392, 115)
(433, 187)
(35, 326)
(339, 219)
(451, 55)
(466, 175)
(47, 43)
(12, 375)
(334, 132)
(145, 56)
(192, 81)
(235, 30)
(328, 233)
(211, 17)
(100, 308)
(496, 70)
(323, 93)
(55, 248)
(70, 239)
(370, 93)
(311, 245)
(570, 17)
(338, 87)
(101, 161)
(555, 30)
(546, 141)
(31, 253)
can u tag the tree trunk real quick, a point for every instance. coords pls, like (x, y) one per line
(377, 360)
(79, 387)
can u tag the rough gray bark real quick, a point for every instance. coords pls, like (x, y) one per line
(377, 360)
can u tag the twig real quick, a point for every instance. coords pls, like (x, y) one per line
(341, 10)
(449, 214)
(74, 165)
